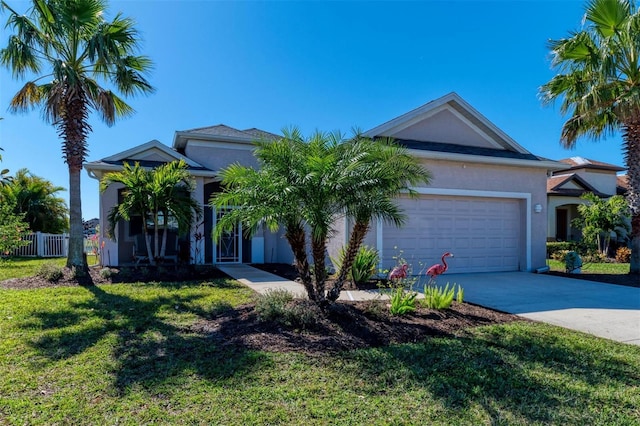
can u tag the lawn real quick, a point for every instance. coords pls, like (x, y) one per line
(19, 267)
(128, 354)
(593, 268)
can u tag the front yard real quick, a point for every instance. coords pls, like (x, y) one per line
(130, 354)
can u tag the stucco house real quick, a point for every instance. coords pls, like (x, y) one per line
(486, 203)
(565, 187)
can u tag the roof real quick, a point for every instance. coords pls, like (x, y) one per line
(586, 163)
(622, 184)
(221, 133)
(468, 150)
(555, 186)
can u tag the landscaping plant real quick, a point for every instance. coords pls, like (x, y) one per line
(402, 301)
(441, 297)
(364, 264)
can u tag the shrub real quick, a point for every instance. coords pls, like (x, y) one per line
(441, 298)
(279, 305)
(106, 273)
(402, 301)
(364, 264)
(572, 261)
(557, 250)
(623, 255)
(50, 272)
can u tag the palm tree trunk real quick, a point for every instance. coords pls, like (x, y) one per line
(73, 128)
(318, 250)
(632, 156)
(297, 240)
(75, 257)
(358, 233)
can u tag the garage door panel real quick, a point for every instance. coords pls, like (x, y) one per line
(483, 233)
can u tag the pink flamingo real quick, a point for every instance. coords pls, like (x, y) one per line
(438, 269)
(399, 272)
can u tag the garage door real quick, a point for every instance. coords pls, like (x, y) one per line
(484, 234)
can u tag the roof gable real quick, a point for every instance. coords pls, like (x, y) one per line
(570, 185)
(220, 133)
(152, 152)
(449, 120)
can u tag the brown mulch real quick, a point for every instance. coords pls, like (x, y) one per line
(341, 326)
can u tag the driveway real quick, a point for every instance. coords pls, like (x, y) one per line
(605, 310)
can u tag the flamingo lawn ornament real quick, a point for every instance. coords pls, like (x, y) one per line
(399, 272)
(438, 269)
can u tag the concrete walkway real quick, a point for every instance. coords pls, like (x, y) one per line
(604, 310)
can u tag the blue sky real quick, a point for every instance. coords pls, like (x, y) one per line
(320, 65)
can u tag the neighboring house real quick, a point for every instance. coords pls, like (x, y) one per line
(565, 187)
(485, 202)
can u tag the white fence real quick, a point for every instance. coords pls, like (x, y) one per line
(44, 245)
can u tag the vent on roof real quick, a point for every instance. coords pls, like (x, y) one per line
(580, 161)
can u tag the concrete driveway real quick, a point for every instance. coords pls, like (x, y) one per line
(605, 310)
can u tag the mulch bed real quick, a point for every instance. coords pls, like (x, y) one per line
(341, 326)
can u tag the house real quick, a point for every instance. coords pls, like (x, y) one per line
(485, 204)
(565, 187)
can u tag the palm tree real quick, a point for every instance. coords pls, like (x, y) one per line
(384, 171)
(71, 50)
(4, 174)
(36, 198)
(303, 185)
(598, 83)
(161, 196)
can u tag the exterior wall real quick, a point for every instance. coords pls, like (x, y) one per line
(445, 126)
(111, 251)
(602, 180)
(570, 203)
(218, 158)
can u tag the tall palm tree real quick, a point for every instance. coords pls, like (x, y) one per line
(72, 50)
(160, 196)
(4, 174)
(37, 198)
(598, 83)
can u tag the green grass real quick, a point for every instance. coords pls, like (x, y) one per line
(19, 267)
(128, 354)
(593, 268)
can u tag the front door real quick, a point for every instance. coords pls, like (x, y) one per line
(562, 221)
(228, 249)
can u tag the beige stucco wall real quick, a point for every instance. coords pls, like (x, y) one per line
(219, 158)
(602, 180)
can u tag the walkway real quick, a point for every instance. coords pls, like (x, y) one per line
(604, 310)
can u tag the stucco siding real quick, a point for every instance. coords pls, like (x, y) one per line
(218, 158)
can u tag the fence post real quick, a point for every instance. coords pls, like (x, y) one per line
(39, 244)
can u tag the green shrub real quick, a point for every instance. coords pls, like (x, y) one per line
(623, 255)
(279, 305)
(50, 272)
(364, 264)
(402, 301)
(106, 273)
(441, 298)
(557, 250)
(572, 261)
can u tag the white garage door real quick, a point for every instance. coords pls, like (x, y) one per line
(484, 234)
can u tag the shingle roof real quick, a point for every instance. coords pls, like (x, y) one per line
(224, 130)
(622, 184)
(464, 149)
(586, 163)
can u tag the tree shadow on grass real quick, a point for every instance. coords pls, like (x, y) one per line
(149, 349)
(528, 374)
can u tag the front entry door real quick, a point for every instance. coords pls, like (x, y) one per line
(228, 248)
(562, 221)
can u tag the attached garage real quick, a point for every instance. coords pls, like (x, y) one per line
(485, 234)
